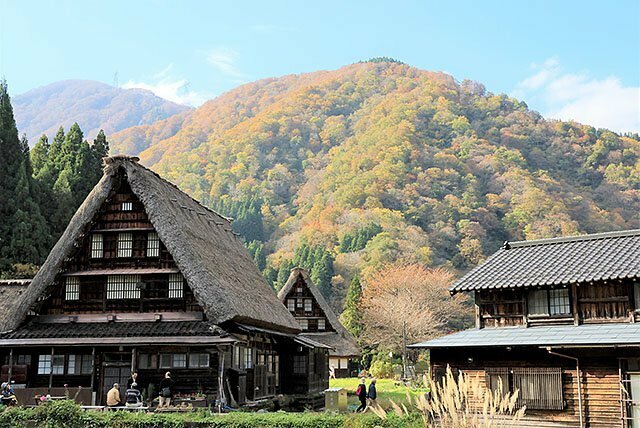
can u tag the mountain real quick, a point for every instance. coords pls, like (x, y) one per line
(94, 105)
(380, 163)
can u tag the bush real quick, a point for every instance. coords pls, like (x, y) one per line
(67, 414)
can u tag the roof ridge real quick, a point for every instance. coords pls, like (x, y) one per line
(108, 160)
(573, 238)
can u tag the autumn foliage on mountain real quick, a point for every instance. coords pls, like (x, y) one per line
(379, 164)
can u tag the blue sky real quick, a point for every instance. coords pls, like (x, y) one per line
(567, 59)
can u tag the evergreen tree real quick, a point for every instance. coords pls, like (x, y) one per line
(351, 316)
(40, 154)
(283, 273)
(11, 156)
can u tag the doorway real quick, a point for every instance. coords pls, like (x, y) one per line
(114, 373)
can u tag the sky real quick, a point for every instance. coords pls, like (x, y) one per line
(566, 59)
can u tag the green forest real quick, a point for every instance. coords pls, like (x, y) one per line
(45, 184)
(377, 164)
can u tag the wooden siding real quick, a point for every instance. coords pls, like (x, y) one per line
(300, 313)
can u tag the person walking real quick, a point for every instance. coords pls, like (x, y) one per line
(372, 395)
(133, 398)
(166, 390)
(113, 396)
(361, 392)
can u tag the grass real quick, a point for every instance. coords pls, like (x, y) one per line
(388, 389)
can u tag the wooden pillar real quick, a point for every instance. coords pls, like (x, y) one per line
(51, 372)
(10, 365)
(133, 359)
(93, 375)
(574, 304)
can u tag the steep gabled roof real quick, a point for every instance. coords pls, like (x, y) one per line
(210, 256)
(557, 261)
(343, 342)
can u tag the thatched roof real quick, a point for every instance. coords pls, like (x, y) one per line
(11, 291)
(210, 256)
(342, 342)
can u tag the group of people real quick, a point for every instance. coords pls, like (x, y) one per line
(133, 396)
(366, 396)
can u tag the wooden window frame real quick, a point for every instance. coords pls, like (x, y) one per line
(127, 206)
(71, 288)
(308, 305)
(197, 357)
(539, 388)
(125, 244)
(291, 305)
(299, 365)
(550, 297)
(97, 246)
(322, 324)
(122, 287)
(304, 324)
(153, 245)
(176, 286)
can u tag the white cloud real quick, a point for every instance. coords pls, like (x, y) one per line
(172, 89)
(603, 103)
(224, 59)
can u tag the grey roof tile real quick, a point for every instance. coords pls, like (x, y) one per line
(557, 261)
(591, 334)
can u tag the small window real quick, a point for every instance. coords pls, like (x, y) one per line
(72, 288)
(304, 324)
(44, 364)
(153, 245)
(559, 302)
(299, 364)
(299, 289)
(125, 244)
(300, 303)
(198, 360)
(58, 365)
(248, 361)
(236, 356)
(291, 305)
(147, 361)
(538, 302)
(308, 305)
(23, 360)
(71, 364)
(636, 292)
(87, 365)
(176, 286)
(123, 287)
(97, 246)
(79, 365)
(127, 206)
(173, 361)
(321, 324)
(344, 363)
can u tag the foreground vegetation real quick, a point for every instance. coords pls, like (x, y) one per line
(66, 414)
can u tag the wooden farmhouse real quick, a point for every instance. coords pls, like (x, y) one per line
(318, 322)
(558, 320)
(146, 278)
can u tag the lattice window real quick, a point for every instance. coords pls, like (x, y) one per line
(125, 244)
(321, 324)
(123, 287)
(636, 292)
(153, 245)
(304, 324)
(538, 302)
(176, 286)
(559, 302)
(538, 387)
(300, 303)
(180, 361)
(497, 379)
(57, 367)
(299, 364)
(291, 305)
(127, 206)
(198, 360)
(44, 364)
(97, 246)
(248, 358)
(308, 306)
(72, 288)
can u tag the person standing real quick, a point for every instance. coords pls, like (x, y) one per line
(166, 390)
(361, 392)
(113, 396)
(372, 395)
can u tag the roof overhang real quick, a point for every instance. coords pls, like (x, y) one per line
(614, 335)
(110, 341)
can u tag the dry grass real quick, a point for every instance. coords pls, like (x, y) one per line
(461, 403)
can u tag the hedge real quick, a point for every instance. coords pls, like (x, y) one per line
(67, 414)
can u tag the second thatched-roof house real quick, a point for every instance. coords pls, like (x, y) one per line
(318, 321)
(145, 278)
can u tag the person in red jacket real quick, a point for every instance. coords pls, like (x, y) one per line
(361, 392)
